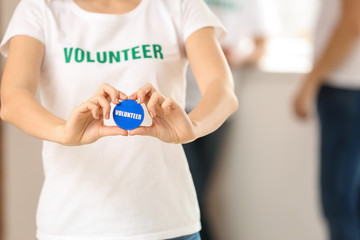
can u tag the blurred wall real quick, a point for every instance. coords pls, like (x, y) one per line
(266, 184)
(265, 187)
(21, 166)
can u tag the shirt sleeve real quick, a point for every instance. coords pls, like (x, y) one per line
(196, 15)
(27, 20)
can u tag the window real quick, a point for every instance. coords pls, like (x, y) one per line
(289, 48)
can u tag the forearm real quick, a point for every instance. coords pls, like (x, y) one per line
(20, 108)
(18, 86)
(342, 40)
(217, 104)
(339, 46)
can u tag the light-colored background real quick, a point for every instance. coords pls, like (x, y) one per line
(266, 184)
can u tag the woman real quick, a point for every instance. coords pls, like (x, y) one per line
(335, 83)
(84, 55)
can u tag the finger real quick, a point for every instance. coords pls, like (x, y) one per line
(303, 114)
(168, 104)
(104, 103)
(300, 110)
(122, 96)
(143, 131)
(89, 106)
(112, 131)
(155, 100)
(140, 95)
(108, 90)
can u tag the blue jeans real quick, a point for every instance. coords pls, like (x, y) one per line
(195, 236)
(339, 114)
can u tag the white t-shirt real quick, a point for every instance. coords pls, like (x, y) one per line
(118, 188)
(347, 73)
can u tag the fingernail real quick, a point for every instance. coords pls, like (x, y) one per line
(123, 96)
(139, 100)
(152, 115)
(107, 116)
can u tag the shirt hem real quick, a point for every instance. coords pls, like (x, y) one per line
(151, 236)
(343, 84)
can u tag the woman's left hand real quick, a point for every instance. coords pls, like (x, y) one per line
(170, 123)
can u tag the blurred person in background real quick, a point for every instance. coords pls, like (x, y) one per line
(335, 82)
(246, 26)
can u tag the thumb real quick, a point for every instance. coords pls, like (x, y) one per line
(143, 131)
(111, 131)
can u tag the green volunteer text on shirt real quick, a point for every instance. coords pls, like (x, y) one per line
(223, 4)
(79, 55)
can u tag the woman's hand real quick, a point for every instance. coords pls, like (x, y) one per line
(86, 122)
(170, 123)
(305, 98)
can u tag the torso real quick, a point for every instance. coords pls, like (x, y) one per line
(86, 46)
(346, 74)
(108, 7)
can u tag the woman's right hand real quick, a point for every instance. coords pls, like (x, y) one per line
(305, 97)
(86, 122)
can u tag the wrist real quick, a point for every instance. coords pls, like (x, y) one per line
(309, 87)
(196, 130)
(60, 135)
(317, 76)
(312, 81)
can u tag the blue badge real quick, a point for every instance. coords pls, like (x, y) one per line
(128, 114)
